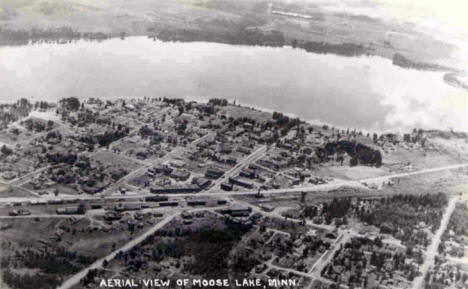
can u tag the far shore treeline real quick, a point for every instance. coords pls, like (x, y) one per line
(241, 36)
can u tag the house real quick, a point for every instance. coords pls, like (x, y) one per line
(224, 149)
(231, 160)
(93, 189)
(9, 175)
(186, 215)
(163, 169)
(112, 216)
(244, 150)
(247, 173)
(180, 175)
(253, 166)
(177, 164)
(269, 164)
(202, 183)
(143, 154)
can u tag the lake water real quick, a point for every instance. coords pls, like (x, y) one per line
(362, 92)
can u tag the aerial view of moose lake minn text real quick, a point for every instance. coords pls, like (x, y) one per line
(308, 144)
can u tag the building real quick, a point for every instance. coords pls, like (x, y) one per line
(226, 186)
(242, 183)
(196, 202)
(187, 215)
(70, 211)
(163, 169)
(175, 189)
(214, 173)
(156, 199)
(168, 204)
(112, 216)
(202, 183)
(244, 150)
(128, 207)
(247, 173)
(177, 164)
(180, 175)
(237, 211)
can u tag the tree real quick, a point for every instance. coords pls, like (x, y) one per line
(81, 208)
(294, 43)
(303, 197)
(6, 150)
(70, 103)
(375, 138)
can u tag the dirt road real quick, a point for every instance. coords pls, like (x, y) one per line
(431, 251)
(75, 279)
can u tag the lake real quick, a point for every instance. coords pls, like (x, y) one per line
(357, 92)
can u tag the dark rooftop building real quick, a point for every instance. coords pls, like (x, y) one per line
(214, 173)
(156, 198)
(242, 183)
(202, 183)
(175, 189)
(226, 186)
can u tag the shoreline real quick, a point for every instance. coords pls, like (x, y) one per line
(453, 79)
(189, 95)
(248, 106)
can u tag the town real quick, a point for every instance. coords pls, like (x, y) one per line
(123, 189)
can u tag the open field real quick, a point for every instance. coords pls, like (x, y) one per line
(53, 248)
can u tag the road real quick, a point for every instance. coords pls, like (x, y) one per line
(75, 279)
(26, 178)
(431, 251)
(174, 153)
(276, 214)
(259, 153)
(323, 187)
